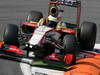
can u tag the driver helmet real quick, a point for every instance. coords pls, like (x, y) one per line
(52, 21)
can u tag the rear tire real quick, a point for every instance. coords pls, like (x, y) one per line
(34, 16)
(87, 37)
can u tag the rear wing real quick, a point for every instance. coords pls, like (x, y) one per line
(72, 3)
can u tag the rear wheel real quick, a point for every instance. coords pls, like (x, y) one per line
(87, 37)
(34, 16)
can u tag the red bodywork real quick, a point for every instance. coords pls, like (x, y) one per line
(29, 24)
(67, 58)
(13, 49)
(67, 30)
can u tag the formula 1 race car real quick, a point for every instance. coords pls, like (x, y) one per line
(52, 43)
(72, 37)
(37, 32)
(85, 33)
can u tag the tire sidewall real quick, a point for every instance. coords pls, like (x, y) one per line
(10, 35)
(87, 37)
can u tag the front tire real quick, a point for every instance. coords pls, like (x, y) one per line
(71, 46)
(10, 35)
(87, 37)
(70, 43)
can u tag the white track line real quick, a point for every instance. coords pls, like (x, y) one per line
(26, 68)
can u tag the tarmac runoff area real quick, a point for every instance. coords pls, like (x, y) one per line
(28, 70)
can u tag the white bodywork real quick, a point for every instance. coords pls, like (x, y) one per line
(39, 34)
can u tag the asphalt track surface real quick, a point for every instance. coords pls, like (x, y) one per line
(14, 11)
